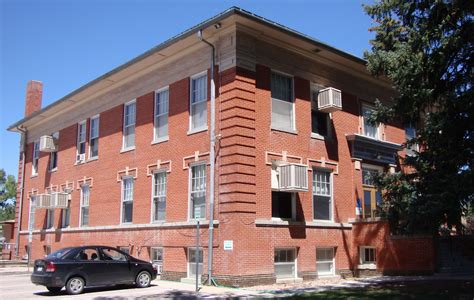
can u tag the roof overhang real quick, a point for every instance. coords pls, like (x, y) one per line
(179, 42)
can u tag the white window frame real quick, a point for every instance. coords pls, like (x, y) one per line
(331, 190)
(293, 208)
(155, 261)
(204, 127)
(315, 88)
(286, 263)
(367, 264)
(54, 155)
(156, 116)
(333, 261)
(49, 219)
(66, 215)
(153, 196)
(31, 216)
(201, 257)
(122, 183)
(126, 126)
(82, 205)
(35, 159)
(366, 106)
(79, 141)
(190, 185)
(293, 107)
(91, 137)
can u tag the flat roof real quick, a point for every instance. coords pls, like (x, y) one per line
(191, 31)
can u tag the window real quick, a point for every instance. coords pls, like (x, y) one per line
(285, 263)
(283, 205)
(129, 125)
(112, 254)
(325, 261)
(322, 195)
(31, 217)
(410, 133)
(161, 115)
(367, 255)
(49, 219)
(198, 115)
(81, 142)
(88, 254)
(372, 196)
(85, 197)
(159, 196)
(65, 217)
(47, 250)
(370, 130)
(198, 191)
(94, 138)
(192, 262)
(53, 159)
(127, 200)
(125, 249)
(34, 161)
(156, 255)
(282, 102)
(320, 121)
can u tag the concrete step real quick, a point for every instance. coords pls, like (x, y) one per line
(12, 263)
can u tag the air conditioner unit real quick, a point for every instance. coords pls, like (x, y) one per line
(47, 144)
(44, 201)
(329, 100)
(60, 200)
(80, 158)
(290, 177)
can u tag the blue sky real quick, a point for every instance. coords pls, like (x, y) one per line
(66, 44)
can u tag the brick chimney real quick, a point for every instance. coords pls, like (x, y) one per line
(34, 95)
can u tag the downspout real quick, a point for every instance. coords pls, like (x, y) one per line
(22, 186)
(212, 161)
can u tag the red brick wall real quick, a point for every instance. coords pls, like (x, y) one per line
(394, 254)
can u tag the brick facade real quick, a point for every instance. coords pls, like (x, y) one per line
(246, 145)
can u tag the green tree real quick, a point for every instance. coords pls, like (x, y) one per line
(7, 196)
(425, 47)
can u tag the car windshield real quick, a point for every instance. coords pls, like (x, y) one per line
(60, 253)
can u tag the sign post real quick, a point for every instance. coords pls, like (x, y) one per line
(197, 216)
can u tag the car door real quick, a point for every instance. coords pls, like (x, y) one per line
(117, 266)
(88, 261)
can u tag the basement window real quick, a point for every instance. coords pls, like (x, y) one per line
(285, 263)
(367, 257)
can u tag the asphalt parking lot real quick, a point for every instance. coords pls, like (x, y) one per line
(17, 285)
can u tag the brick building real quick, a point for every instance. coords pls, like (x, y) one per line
(126, 159)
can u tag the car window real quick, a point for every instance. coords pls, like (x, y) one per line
(87, 254)
(112, 254)
(59, 254)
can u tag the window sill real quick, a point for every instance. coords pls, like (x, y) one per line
(317, 136)
(196, 130)
(367, 267)
(160, 140)
(53, 170)
(78, 163)
(285, 130)
(124, 150)
(279, 222)
(91, 159)
(34, 175)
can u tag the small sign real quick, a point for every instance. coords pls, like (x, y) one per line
(197, 213)
(228, 245)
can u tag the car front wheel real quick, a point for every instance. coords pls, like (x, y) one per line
(143, 279)
(75, 285)
(54, 290)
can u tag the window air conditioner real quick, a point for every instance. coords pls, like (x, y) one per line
(80, 158)
(329, 100)
(289, 177)
(60, 200)
(47, 144)
(44, 201)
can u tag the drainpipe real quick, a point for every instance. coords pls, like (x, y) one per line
(22, 186)
(212, 160)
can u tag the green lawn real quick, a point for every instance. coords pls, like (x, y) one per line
(432, 289)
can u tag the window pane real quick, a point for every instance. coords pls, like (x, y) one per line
(129, 136)
(282, 114)
(367, 204)
(282, 205)
(324, 268)
(127, 212)
(322, 208)
(94, 147)
(199, 89)
(369, 129)
(199, 114)
(161, 128)
(85, 216)
(282, 87)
